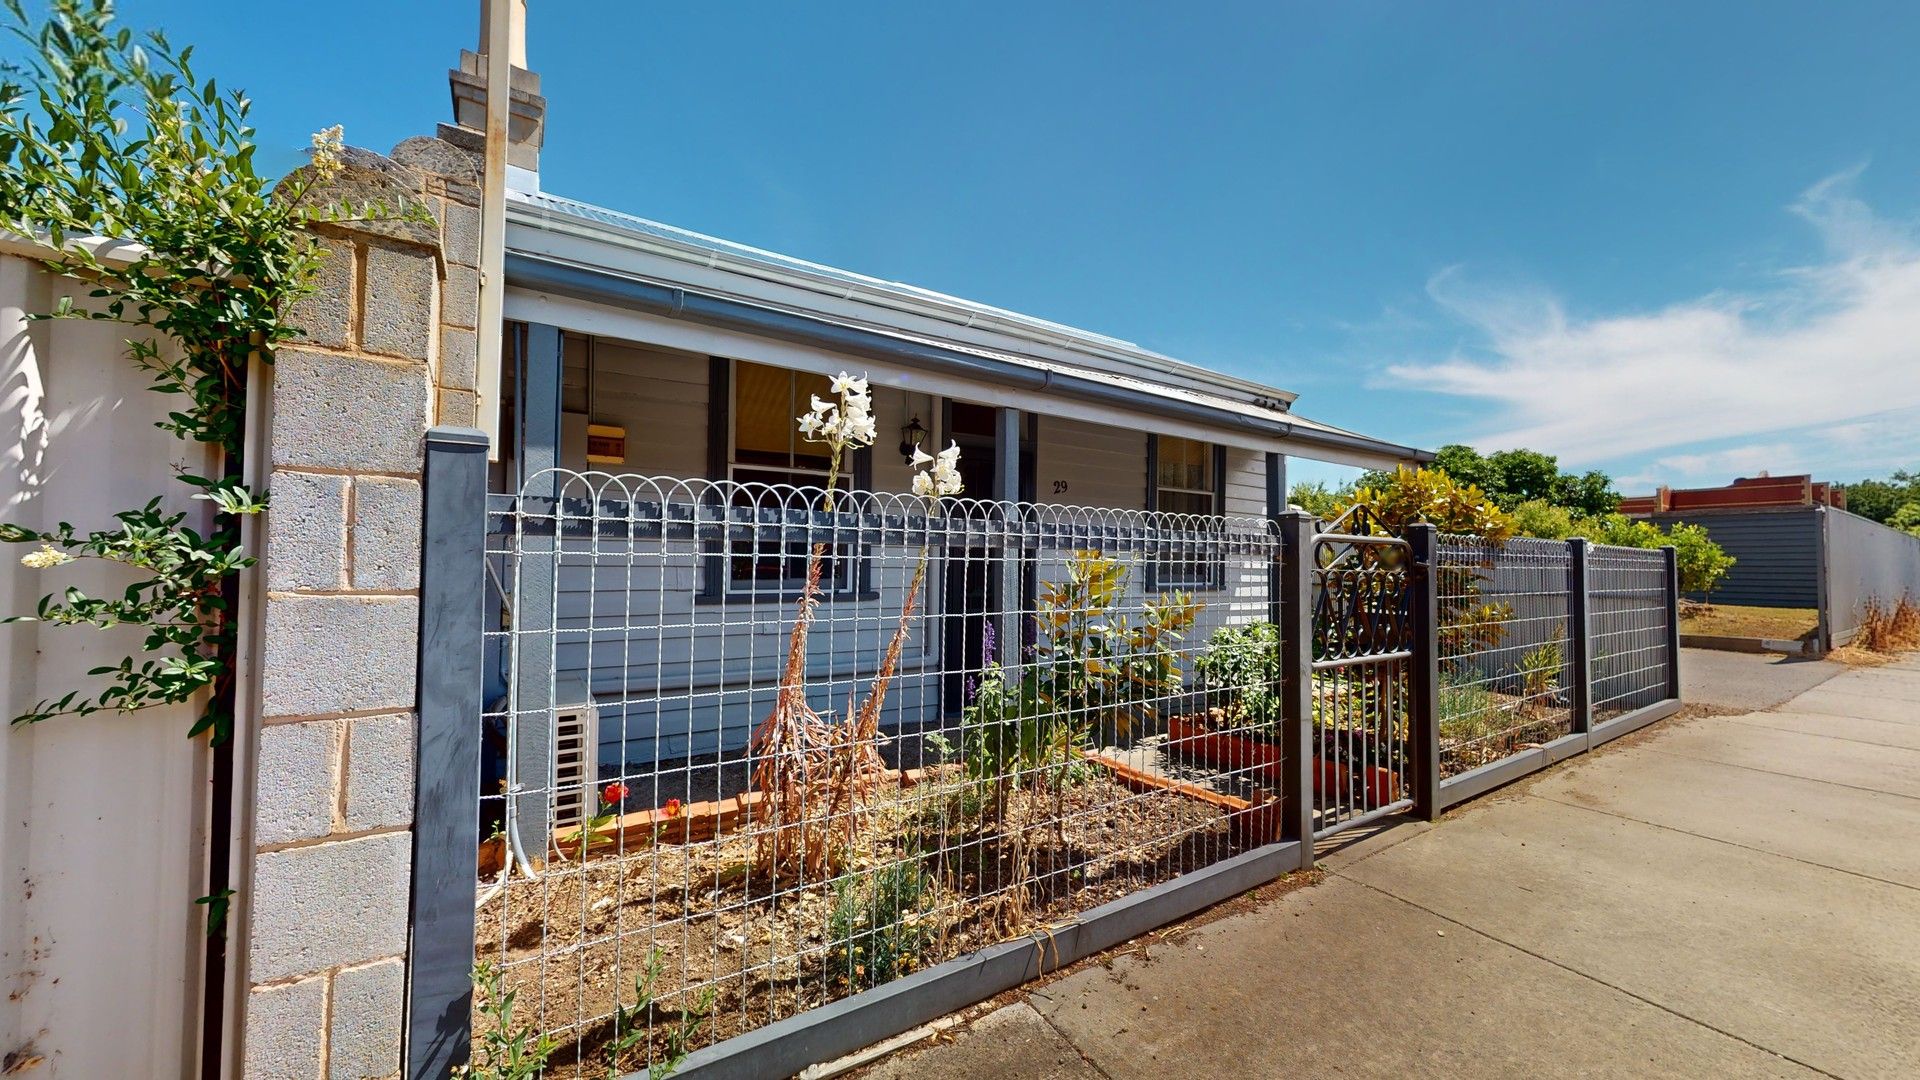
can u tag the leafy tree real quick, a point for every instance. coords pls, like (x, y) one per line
(1906, 518)
(1465, 464)
(1519, 475)
(1512, 477)
(1879, 500)
(1587, 495)
(1317, 498)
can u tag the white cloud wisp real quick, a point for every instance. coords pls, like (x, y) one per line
(1828, 355)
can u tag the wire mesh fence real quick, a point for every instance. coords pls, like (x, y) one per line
(751, 750)
(1505, 675)
(1627, 616)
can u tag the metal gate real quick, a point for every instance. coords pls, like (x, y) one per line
(1362, 708)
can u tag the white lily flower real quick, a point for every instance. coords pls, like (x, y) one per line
(950, 457)
(809, 425)
(921, 459)
(923, 484)
(844, 383)
(823, 407)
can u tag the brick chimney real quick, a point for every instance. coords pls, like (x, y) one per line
(527, 118)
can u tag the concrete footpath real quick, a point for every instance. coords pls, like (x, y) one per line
(1729, 895)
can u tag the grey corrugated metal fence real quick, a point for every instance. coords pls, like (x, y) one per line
(1865, 562)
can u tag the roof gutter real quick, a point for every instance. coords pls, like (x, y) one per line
(670, 301)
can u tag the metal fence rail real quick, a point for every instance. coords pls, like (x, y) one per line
(766, 776)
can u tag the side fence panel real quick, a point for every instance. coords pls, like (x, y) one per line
(1546, 649)
(1866, 562)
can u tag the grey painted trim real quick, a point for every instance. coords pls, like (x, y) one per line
(1608, 730)
(601, 286)
(1424, 672)
(839, 1028)
(1579, 634)
(1293, 571)
(534, 603)
(1458, 789)
(1276, 505)
(446, 822)
(1671, 558)
(1824, 633)
(1008, 575)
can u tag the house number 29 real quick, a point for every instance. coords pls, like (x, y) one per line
(1059, 487)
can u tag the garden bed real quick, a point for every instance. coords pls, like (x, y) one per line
(572, 942)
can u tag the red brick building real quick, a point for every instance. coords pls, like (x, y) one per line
(1747, 493)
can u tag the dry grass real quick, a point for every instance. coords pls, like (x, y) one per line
(1727, 620)
(1889, 630)
(1885, 632)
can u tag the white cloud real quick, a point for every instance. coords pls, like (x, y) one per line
(1822, 363)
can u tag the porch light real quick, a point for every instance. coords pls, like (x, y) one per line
(911, 437)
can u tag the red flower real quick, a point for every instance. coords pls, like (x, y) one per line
(672, 808)
(614, 792)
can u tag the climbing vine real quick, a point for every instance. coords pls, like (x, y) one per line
(109, 134)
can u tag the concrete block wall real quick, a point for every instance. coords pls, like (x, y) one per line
(388, 351)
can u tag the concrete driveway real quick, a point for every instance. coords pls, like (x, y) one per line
(1716, 896)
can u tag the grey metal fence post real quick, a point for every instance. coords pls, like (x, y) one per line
(1672, 562)
(1294, 571)
(446, 813)
(1579, 636)
(1423, 675)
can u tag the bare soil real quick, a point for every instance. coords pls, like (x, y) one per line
(573, 943)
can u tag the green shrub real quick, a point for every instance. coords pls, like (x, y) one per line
(1468, 710)
(1408, 496)
(1541, 667)
(1700, 562)
(502, 1051)
(632, 1024)
(1240, 674)
(1543, 520)
(877, 928)
(1094, 667)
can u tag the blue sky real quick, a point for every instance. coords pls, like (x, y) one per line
(1675, 241)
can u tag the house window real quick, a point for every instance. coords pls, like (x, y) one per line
(767, 449)
(1187, 481)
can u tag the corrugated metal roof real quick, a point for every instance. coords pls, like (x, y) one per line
(535, 208)
(720, 253)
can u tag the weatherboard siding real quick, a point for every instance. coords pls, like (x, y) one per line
(1776, 553)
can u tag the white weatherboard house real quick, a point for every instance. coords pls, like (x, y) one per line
(638, 348)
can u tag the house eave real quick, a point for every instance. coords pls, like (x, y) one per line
(1031, 376)
(996, 327)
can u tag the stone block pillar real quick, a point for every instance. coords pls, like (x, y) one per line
(388, 352)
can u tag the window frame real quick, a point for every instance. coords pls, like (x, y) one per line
(719, 585)
(1159, 576)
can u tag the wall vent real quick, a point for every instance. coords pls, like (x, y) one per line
(576, 763)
